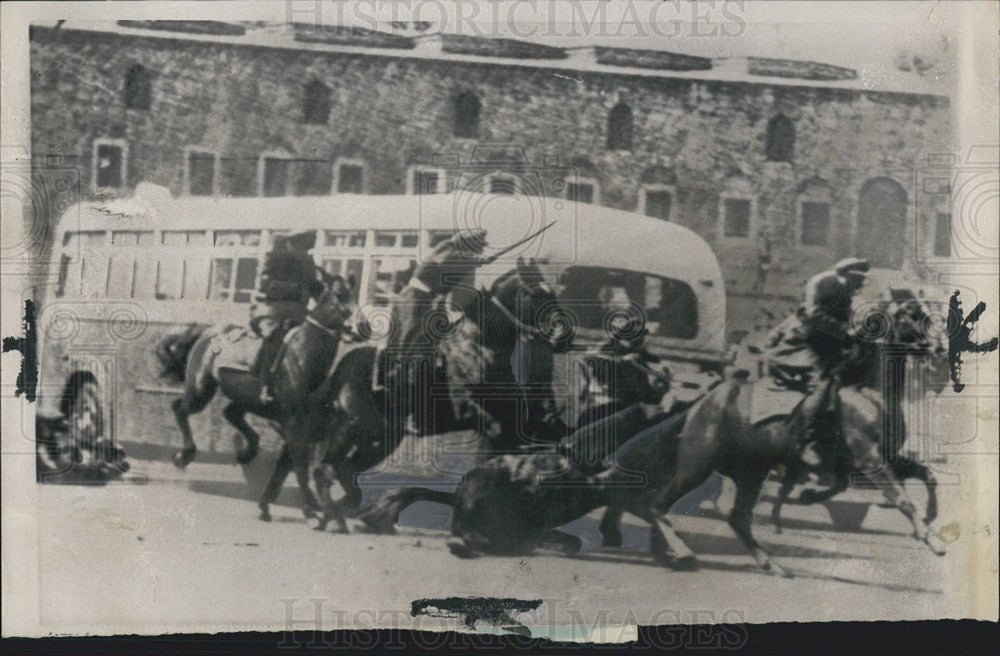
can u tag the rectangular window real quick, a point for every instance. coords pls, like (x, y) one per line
(815, 223)
(238, 176)
(109, 166)
(239, 287)
(581, 192)
(501, 184)
(346, 268)
(942, 235)
(314, 178)
(345, 239)
(426, 181)
(201, 174)
(237, 238)
(132, 237)
(350, 179)
(658, 203)
(183, 238)
(736, 217)
(275, 176)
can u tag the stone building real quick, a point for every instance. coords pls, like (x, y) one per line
(783, 166)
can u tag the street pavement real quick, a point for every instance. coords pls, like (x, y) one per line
(172, 550)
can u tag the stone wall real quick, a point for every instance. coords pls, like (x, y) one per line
(702, 139)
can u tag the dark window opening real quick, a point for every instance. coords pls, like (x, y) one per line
(238, 176)
(501, 185)
(942, 235)
(736, 219)
(350, 179)
(138, 88)
(425, 182)
(109, 166)
(467, 115)
(276, 176)
(316, 103)
(201, 174)
(780, 142)
(601, 296)
(620, 127)
(815, 223)
(315, 177)
(581, 192)
(658, 204)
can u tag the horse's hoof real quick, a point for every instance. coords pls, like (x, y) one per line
(264, 516)
(460, 549)
(777, 570)
(807, 497)
(936, 544)
(613, 541)
(342, 529)
(686, 563)
(246, 456)
(184, 457)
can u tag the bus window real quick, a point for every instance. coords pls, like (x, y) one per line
(132, 237)
(345, 239)
(95, 276)
(597, 295)
(386, 239)
(227, 286)
(336, 267)
(169, 277)
(183, 238)
(237, 237)
(389, 276)
(77, 240)
(122, 271)
(221, 280)
(196, 273)
(64, 261)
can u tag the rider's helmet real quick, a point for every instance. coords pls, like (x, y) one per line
(852, 268)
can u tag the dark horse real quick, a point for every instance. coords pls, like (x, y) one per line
(718, 435)
(498, 506)
(359, 422)
(302, 364)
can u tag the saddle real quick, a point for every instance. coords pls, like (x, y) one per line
(236, 348)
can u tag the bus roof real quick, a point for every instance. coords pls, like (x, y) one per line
(582, 233)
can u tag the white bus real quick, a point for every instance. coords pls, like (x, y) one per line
(129, 271)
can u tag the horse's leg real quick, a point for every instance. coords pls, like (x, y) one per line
(323, 475)
(235, 414)
(300, 452)
(787, 483)
(570, 544)
(611, 526)
(740, 519)
(905, 469)
(281, 470)
(193, 401)
(896, 494)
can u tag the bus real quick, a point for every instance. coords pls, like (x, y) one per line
(130, 271)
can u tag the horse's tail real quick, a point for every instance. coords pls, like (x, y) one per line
(175, 349)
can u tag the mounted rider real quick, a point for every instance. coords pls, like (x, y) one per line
(289, 280)
(804, 352)
(451, 262)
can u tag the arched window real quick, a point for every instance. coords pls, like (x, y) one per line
(780, 142)
(620, 127)
(881, 232)
(315, 103)
(467, 115)
(814, 213)
(138, 87)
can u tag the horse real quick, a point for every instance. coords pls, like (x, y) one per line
(362, 423)
(718, 435)
(307, 353)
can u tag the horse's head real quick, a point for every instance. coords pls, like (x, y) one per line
(530, 303)
(333, 307)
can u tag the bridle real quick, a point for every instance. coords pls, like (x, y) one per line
(523, 327)
(329, 331)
